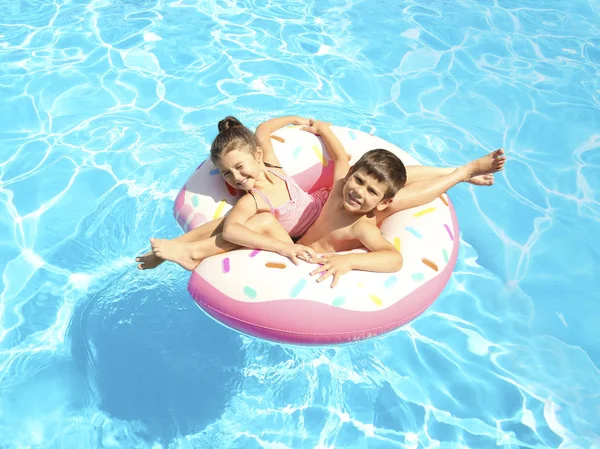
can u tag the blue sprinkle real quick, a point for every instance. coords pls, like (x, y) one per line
(414, 232)
(214, 171)
(418, 277)
(352, 134)
(297, 152)
(390, 281)
(298, 288)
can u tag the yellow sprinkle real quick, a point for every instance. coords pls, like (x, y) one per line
(219, 210)
(319, 154)
(375, 299)
(423, 212)
(359, 285)
(397, 243)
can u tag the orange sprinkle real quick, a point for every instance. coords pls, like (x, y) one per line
(429, 263)
(277, 138)
(424, 212)
(443, 200)
(279, 265)
(397, 243)
(375, 299)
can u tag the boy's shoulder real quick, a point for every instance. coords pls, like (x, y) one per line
(365, 224)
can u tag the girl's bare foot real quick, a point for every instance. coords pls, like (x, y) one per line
(490, 163)
(175, 251)
(482, 180)
(148, 261)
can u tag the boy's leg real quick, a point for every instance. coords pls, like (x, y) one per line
(190, 254)
(416, 173)
(422, 192)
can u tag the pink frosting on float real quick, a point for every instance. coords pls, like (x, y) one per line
(306, 321)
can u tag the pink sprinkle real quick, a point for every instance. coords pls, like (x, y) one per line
(255, 252)
(449, 231)
(225, 264)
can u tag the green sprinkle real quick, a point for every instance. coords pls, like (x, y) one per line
(250, 292)
(418, 277)
(338, 301)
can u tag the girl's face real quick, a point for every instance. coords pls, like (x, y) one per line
(241, 169)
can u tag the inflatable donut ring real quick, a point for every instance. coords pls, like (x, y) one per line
(265, 295)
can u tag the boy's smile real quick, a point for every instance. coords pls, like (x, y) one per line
(362, 193)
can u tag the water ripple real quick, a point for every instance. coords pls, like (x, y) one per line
(108, 106)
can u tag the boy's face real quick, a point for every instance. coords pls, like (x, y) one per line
(362, 193)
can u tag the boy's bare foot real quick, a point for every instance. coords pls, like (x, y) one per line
(148, 261)
(175, 252)
(482, 180)
(490, 163)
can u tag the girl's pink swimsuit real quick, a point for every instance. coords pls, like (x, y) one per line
(301, 211)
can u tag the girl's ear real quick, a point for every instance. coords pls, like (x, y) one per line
(258, 154)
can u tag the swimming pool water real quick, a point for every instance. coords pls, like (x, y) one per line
(107, 106)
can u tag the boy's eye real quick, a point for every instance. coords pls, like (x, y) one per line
(359, 181)
(372, 192)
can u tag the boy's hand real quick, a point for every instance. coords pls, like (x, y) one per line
(296, 252)
(333, 265)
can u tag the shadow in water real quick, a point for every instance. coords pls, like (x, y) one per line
(148, 354)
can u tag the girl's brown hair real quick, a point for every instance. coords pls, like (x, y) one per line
(232, 136)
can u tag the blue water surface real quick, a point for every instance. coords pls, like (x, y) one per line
(106, 106)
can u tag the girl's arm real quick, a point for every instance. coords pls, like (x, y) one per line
(235, 231)
(334, 147)
(264, 130)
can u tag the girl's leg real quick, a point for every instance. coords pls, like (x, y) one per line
(189, 255)
(150, 260)
(424, 191)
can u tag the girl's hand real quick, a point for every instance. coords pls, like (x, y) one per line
(295, 252)
(332, 265)
(314, 126)
(303, 121)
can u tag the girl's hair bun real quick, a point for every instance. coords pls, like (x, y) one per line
(228, 123)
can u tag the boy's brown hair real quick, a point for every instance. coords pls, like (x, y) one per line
(385, 167)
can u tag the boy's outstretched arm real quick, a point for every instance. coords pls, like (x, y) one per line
(382, 257)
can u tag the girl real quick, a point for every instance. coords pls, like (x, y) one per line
(247, 162)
